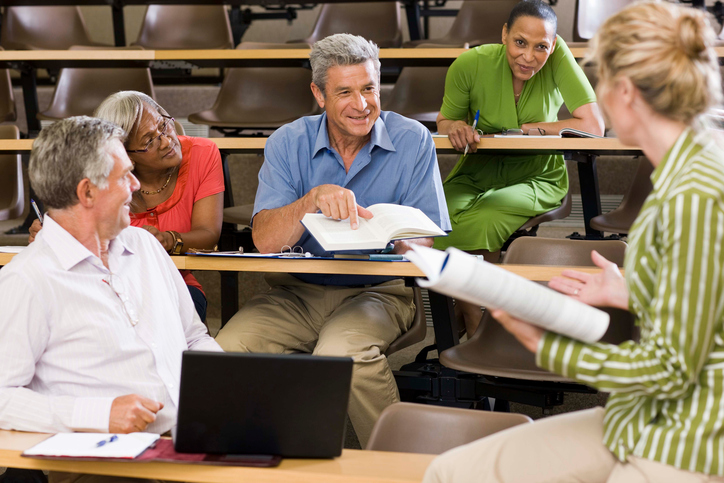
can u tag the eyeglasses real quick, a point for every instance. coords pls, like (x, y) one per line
(164, 129)
(116, 284)
(534, 131)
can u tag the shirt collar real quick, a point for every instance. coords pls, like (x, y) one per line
(69, 251)
(379, 136)
(672, 157)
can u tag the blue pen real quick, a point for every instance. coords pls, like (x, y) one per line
(475, 123)
(37, 210)
(106, 441)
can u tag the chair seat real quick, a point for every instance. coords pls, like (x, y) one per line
(555, 214)
(239, 214)
(616, 221)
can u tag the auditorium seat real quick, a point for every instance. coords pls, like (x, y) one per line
(477, 22)
(380, 22)
(47, 28)
(185, 27)
(79, 91)
(421, 428)
(258, 98)
(8, 113)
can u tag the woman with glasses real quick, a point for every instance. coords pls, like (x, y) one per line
(517, 87)
(664, 419)
(181, 198)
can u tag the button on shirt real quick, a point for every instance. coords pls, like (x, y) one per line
(76, 335)
(398, 165)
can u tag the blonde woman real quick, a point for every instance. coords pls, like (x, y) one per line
(665, 417)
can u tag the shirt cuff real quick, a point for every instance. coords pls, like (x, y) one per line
(92, 414)
(559, 354)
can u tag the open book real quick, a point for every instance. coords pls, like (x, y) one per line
(466, 277)
(390, 222)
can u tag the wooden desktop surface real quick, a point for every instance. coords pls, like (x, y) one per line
(442, 145)
(541, 273)
(354, 466)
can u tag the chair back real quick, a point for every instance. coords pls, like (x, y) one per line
(562, 252)
(418, 91)
(8, 113)
(379, 22)
(590, 14)
(621, 219)
(419, 428)
(12, 190)
(49, 28)
(79, 91)
(261, 97)
(185, 27)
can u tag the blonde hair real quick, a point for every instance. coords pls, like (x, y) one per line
(667, 53)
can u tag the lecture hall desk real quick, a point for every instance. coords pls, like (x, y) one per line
(354, 466)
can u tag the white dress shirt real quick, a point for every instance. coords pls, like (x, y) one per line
(76, 335)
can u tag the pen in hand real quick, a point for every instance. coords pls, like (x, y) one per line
(475, 123)
(37, 210)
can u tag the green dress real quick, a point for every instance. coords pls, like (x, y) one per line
(490, 196)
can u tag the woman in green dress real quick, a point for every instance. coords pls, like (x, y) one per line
(520, 84)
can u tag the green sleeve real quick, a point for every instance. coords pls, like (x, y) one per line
(458, 84)
(685, 313)
(569, 77)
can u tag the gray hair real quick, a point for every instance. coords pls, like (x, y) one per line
(67, 152)
(125, 109)
(340, 50)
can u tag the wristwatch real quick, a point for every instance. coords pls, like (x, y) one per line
(178, 243)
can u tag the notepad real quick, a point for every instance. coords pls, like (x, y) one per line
(85, 445)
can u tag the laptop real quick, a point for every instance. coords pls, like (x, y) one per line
(294, 406)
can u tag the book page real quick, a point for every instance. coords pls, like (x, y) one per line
(338, 235)
(397, 221)
(468, 278)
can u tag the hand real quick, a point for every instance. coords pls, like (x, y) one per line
(338, 203)
(402, 246)
(527, 334)
(34, 230)
(132, 413)
(461, 135)
(163, 237)
(604, 289)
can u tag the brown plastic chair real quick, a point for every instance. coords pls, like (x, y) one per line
(185, 27)
(12, 190)
(376, 21)
(8, 113)
(477, 22)
(620, 220)
(417, 331)
(420, 428)
(493, 351)
(79, 91)
(260, 97)
(48, 28)
(590, 14)
(418, 92)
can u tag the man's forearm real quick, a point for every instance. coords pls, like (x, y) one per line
(281, 226)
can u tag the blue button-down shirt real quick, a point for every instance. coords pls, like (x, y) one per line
(398, 165)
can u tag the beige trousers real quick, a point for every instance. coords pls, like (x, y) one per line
(356, 322)
(559, 449)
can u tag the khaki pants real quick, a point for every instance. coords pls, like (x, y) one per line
(560, 449)
(357, 322)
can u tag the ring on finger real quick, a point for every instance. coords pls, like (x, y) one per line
(575, 292)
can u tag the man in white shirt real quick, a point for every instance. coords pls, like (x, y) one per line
(94, 314)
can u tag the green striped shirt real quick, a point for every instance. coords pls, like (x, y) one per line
(666, 391)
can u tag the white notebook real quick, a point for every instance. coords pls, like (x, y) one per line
(86, 445)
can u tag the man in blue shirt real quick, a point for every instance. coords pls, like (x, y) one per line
(350, 157)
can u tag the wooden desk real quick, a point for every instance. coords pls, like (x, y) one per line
(583, 151)
(354, 466)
